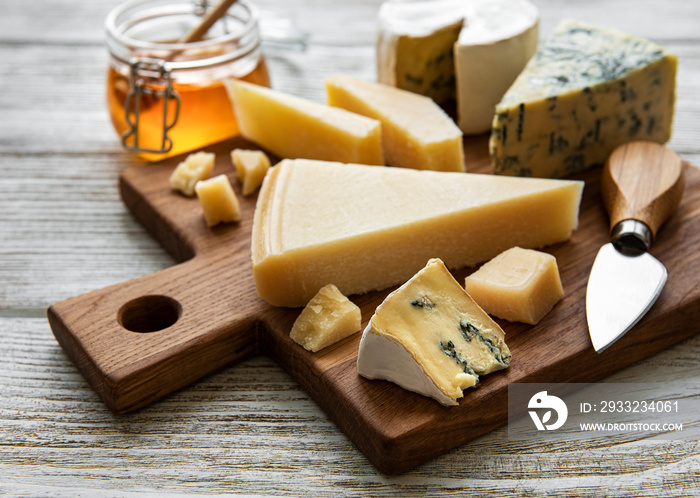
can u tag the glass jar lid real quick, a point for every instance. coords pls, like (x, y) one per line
(152, 28)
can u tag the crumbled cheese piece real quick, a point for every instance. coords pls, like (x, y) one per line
(195, 167)
(251, 168)
(218, 200)
(328, 318)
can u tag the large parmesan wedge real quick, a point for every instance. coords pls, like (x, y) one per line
(292, 127)
(416, 132)
(364, 228)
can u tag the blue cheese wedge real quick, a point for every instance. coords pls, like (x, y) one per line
(587, 90)
(430, 337)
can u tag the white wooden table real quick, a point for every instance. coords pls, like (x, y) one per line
(250, 429)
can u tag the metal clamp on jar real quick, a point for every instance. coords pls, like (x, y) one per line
(166, 97)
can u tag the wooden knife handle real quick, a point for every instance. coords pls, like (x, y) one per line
(643, 181)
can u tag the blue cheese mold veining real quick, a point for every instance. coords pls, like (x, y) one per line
(587, 90)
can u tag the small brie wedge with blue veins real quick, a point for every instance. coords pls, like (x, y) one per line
(430, 337)
(587, 90)
(468, 52)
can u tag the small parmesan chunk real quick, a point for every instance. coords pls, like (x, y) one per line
(326, 319)
(519, 285)
(251, 168)
(219, 201)
(195, 167)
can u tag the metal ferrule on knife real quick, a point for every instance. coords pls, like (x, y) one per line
(632, 234)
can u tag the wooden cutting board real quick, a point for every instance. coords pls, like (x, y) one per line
(139, 341)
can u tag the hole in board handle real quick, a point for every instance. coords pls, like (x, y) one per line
(149, 313)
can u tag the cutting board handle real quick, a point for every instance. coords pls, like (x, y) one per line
(642, 181)
(137, 341)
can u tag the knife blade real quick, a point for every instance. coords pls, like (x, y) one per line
(642, 184)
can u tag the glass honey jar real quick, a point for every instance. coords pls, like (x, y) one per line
(166, 97)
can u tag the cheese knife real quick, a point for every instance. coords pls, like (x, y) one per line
(642, 184)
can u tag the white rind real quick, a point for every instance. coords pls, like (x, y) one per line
(380, 357)
(497, 40)
(490, 53)
(491, 21)
(416, 18)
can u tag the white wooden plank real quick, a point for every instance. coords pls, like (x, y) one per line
(77, 22)
(64, 230)
(250, 430)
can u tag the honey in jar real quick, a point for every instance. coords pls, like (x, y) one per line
(166, 97)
